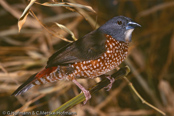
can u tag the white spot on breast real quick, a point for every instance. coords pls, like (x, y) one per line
(90, 65)
(78, 68)
(108, 51)
(84, 62)
(75, 71)
(85, 67)
(101, 64)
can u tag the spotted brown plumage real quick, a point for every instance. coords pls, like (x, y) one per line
(115, 53)
(93, 55)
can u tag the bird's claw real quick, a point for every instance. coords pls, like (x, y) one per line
(87, 95)
(85, 92)
(111, 79)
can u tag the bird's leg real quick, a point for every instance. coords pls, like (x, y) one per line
(111, 79)
(86, 92)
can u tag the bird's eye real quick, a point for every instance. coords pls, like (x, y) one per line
(119, 22)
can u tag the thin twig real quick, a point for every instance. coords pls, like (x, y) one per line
(143, 83)
(139, 96)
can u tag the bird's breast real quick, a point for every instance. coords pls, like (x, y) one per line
(115, 54)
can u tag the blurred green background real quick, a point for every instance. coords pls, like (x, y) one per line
(151, 56)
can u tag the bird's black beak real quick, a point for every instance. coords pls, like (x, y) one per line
(132, 25)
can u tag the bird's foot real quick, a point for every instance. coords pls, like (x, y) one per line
(111, 79)
(86, 92)
(87, 95)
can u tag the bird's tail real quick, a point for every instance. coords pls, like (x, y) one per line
(46, 75)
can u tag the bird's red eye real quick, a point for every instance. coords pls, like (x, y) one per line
(119, 22)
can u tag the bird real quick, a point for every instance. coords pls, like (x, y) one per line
(92, 55)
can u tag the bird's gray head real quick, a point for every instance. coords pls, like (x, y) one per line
(120, 28)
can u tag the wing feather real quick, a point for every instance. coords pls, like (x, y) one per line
(90, 47)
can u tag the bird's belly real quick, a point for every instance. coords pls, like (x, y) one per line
(91, 69)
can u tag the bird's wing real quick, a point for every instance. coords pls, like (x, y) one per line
(90, 47)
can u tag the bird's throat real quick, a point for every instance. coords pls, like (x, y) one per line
(128, 35)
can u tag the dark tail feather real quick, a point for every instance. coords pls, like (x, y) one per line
(35, 79)
(25, 86)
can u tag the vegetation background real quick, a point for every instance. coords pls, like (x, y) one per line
(151, 57)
